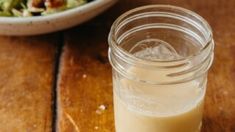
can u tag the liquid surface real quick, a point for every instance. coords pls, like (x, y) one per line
(154, 49)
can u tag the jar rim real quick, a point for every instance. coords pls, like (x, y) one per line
(114, 44)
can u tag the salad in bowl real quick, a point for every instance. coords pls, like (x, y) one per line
(31, 17)
(27, 8)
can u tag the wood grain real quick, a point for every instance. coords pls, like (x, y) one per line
(85, 75)
(26, 73)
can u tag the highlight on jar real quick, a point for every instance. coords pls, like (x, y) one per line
(160, 56)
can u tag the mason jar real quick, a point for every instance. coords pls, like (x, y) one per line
(160, 56)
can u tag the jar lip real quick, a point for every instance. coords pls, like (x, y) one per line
(114, 45)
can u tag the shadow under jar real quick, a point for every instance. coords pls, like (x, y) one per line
(160, 55)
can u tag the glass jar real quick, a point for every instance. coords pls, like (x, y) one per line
(160, 55)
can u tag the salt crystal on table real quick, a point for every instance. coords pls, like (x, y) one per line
(100, 109)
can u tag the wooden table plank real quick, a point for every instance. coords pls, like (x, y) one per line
(85, 83)
(85, 75)
(26, 73)
(220, 99)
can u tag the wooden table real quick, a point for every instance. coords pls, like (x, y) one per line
(62, 81)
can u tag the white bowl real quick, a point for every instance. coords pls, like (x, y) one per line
(19, 26)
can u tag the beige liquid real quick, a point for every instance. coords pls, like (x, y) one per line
(151, 108)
